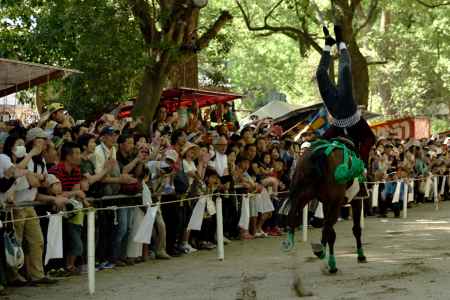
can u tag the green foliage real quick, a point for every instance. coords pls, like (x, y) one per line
(262, 68)
(102, 39)
(417, 48)
(94, 36)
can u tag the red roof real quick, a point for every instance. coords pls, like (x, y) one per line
(174, 98)
(183, 97)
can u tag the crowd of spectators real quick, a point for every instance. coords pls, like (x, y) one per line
(62, 165)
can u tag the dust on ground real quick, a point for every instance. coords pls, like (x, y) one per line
(408, 259)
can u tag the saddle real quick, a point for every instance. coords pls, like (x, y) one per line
(351, 167)
(346, 141)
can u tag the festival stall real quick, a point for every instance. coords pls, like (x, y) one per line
(16, 76)
(177, 98)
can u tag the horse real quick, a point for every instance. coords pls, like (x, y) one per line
(317, 176)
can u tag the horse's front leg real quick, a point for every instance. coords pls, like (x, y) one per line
(357, 230)
(331, 212)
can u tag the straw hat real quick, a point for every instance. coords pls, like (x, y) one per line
(187, 147)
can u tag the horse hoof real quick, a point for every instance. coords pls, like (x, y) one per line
(298, 288)
(362, 259)
(333, 271)
(329, 272)
(320, 254)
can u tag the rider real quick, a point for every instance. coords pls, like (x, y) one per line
(343, 114)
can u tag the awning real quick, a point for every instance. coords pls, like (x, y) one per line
(17, 76)
(274, 109)
(174, 98)
(171, 99)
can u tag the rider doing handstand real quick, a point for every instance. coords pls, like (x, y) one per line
(344, 116)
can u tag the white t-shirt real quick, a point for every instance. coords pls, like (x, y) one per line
(101, 154)
(189, 166)
(5, 164)
(30, 194)
(220, 163)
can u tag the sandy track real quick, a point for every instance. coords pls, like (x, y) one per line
(408, 259)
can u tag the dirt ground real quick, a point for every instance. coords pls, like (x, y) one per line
(408, 259)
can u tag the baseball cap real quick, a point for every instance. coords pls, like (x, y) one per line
(108, 130)
(171, 154)
(52, 179)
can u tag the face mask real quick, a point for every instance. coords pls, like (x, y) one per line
(20, 151)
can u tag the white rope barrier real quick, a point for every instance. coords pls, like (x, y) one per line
(432, 179)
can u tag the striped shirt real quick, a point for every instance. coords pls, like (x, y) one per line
(67, 180)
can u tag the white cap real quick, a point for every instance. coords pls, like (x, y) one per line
(52, 179)
(171, 154)
(305, 145)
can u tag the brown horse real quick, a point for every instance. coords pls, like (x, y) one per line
(314, 177)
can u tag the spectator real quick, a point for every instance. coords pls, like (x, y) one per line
(29, 231)
(68, 184)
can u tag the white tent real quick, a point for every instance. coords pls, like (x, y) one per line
(273, 109)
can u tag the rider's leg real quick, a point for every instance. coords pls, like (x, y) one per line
(327, 88)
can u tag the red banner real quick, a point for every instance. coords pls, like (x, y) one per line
(404, 128)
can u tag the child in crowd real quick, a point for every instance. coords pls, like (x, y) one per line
(74, 224)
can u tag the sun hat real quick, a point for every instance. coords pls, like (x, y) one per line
(36, 133)
(171, 154)
(187, 147)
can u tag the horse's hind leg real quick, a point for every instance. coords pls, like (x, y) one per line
(331, 212)
(357, 231)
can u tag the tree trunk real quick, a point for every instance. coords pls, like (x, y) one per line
(185, 74)
(149, 94)
(360, 68)
(384, 85)
(360, 75)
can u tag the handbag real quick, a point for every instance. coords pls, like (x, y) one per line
(13, 250)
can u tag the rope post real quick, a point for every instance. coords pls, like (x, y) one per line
(91, 250)
(435, 192)
(305, 224)
(362, 223)
(405, 200)
(219, 219)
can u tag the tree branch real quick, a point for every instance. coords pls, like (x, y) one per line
(370, 15)
(286, 30)
(444, 3)
(141, 11)
(272, 10)
(384, 62)
(212, 32)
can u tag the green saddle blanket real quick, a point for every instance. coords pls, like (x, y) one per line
(351, 167)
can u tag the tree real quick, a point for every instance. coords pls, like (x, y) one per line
(168, 28)
(110, 41)
(296, 19)
(93, 36)
(416, 44)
